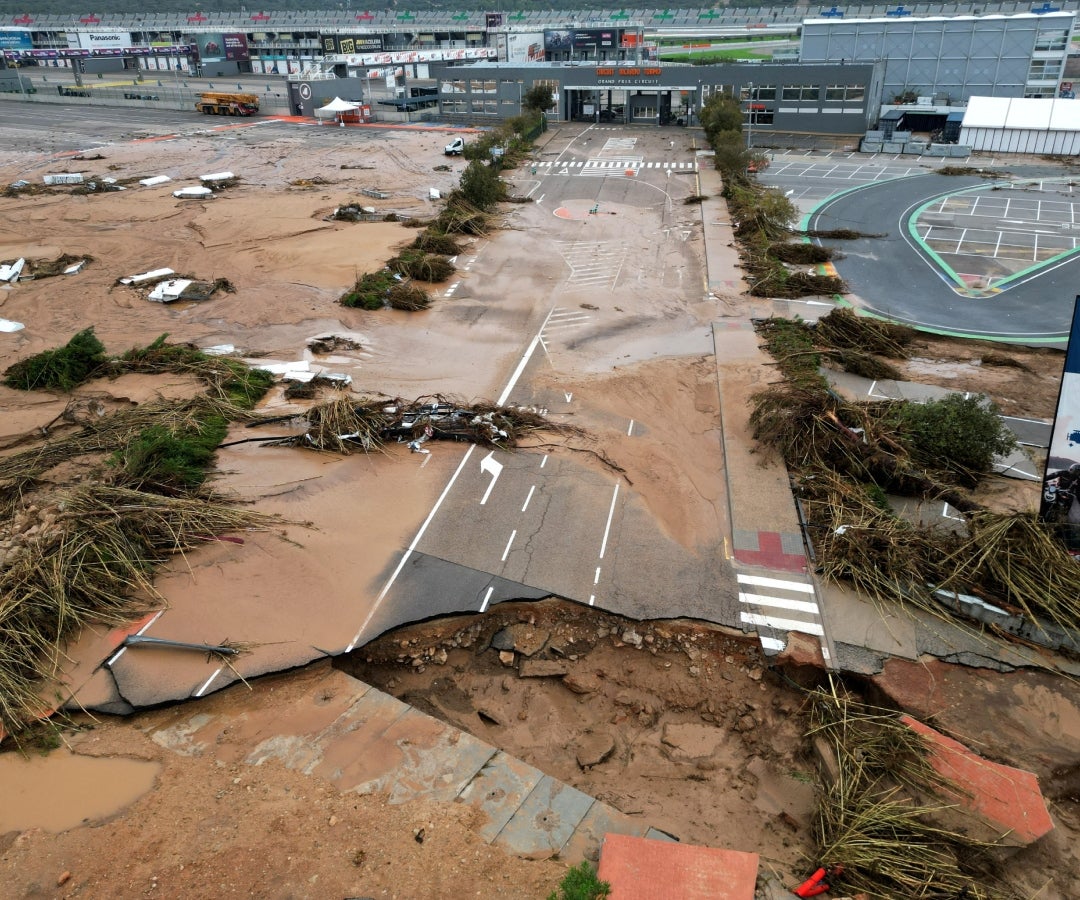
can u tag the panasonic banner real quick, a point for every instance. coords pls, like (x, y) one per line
(99, 40)
(1061, 483)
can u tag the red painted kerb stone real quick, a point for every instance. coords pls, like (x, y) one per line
(644, 869)
(1008, 799)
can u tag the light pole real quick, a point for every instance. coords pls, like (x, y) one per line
(750, 117)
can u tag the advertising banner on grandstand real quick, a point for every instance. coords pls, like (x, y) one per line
(514, 47)
(15, 39)
(99, 40)
(218, 47)
(367, 43)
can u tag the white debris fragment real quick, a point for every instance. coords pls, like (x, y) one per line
(154, 180)
(12, 272)
(75, 268)
(146, 276)
(219, 350)
(216, 176)
(193, 193)
(63, 178)
(169, 291)
(6, 325)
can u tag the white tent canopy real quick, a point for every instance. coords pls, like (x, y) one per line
(1038, 125)
(335, 107)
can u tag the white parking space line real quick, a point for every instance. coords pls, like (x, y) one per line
(509, 543)
(487, 598)
(607, 526)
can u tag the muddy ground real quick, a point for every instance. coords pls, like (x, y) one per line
(680, 724)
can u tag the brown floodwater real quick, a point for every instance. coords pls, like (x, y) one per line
(63, 790)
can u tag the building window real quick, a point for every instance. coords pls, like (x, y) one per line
(758, 92)
(1043, 69)
(453, 87)
(1039, 92)
(477, 86)
(1051, 40)
(800, 92)
(845, 93)
(454, 106)
(757, 114)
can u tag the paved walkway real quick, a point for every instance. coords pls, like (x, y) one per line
(328, 725)
(777, 593)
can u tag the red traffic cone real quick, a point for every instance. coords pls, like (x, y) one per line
(819, 882)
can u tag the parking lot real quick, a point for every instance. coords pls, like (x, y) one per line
(991, 235)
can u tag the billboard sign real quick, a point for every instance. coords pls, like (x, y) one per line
(558, 39)
(217, 47)
(597, 38)
(367, 43)
(1060, 504)
(521, 48)
(99, 40)
(15, 39)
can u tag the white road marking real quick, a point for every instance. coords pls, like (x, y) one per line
(592, 599)
(761, 581)
(506, 552)
(525, 506)
(782, 624)
(416, 540)
(543, 462)
(517, 372)
(142, 630)
(487, 597)
(607, 527)
(596, 577)
(492, 465)
(208, 681)
(779, 603)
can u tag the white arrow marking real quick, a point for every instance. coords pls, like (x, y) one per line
(489, 464)
(569, 395)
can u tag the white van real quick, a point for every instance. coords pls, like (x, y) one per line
(455, 147)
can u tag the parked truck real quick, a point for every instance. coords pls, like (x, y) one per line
(222, 104)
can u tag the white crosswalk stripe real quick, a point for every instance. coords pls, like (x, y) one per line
(613, 166)
(593, 264)
(623, 143)
(776, 606)
(561, 320)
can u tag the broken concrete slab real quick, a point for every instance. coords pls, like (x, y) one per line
(641, 869)
(522, 637)
(154, 180)
(1003, 803)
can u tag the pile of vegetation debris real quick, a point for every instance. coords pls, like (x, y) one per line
(847, 458)
(763, 219)
(347, 424)
(887, 819)
(97, 500)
